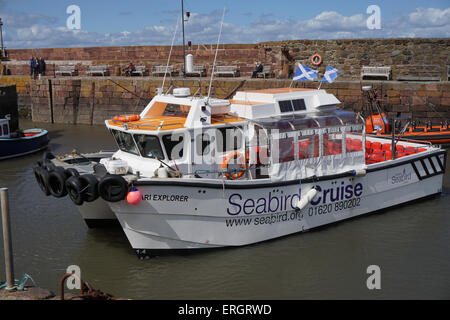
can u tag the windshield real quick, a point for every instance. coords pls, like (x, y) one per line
(149, 146)
(125, 141)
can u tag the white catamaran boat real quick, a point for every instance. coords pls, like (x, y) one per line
(196, 172)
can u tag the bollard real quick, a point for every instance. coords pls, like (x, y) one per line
(7, 244)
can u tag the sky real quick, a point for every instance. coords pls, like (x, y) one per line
(43, 23)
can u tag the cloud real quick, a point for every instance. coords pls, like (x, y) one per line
(39, 31)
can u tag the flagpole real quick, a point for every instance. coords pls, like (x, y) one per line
(320, 85)
(292, 81)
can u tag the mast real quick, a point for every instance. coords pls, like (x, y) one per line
(184, 47)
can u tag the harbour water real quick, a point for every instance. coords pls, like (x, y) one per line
(410, 244)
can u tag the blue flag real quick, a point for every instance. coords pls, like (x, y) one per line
(330, 74)
(303, 73)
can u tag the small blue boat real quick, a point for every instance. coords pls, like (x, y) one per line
(15, 144)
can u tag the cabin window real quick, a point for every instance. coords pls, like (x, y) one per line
(149, 146)
(354, 140)
(125, 141)
(203, 142)
(176, 109)
(299, 104)
(285, 149)
(332, 143)
(229, 139)
(174, 144)
(286, 106)
(5, 130)
(292, 105)
(308, 146)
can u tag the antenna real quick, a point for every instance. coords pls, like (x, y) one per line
(168, 59)
(215, 56)
(184, 47)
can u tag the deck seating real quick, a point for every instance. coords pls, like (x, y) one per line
(353, 145)
(378, 152)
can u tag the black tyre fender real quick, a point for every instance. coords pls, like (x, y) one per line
(49, 166)
(113, 188)
(89, 184)
(37, 164)
(47, 156)
(74, 187)
(71, 172)
(57, 182)
(41, 176)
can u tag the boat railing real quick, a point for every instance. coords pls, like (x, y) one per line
(401, 139)
(128, 125)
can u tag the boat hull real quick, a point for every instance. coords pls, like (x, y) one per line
(97, 214)
(15, 147)
(186, 215)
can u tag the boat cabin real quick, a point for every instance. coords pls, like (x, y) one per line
(278, 134)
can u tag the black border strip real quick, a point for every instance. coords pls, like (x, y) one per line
(432, 164)
(180, 183)
(427, 173)
(440, 163)
(416, 170)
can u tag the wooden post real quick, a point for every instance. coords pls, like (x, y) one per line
(7, 243)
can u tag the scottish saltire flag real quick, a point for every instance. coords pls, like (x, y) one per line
(303, 73)
(330, 74)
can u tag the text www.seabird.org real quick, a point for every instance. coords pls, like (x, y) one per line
(226, 309)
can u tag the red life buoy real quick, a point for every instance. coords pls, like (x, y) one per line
(316, 62)
(127, 118)
(234, 155)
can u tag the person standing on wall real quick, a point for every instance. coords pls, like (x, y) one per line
(36, 67)
(32, 63)
(41, 66)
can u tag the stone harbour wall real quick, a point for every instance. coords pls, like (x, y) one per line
(406, 57)
(93, 100)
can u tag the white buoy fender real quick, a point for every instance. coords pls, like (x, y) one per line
(359, 172)
(163, 173)
(304, 201)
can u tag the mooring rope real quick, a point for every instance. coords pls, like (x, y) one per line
(19, 285)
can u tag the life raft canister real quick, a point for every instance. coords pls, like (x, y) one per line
(127, 118)
(316, 59)
(241, 171)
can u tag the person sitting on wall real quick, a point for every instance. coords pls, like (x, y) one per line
(259, 68)
(129, 70)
